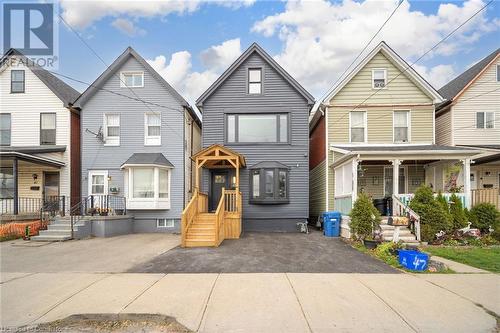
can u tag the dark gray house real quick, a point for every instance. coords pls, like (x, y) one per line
(137, 137)
(256, 109)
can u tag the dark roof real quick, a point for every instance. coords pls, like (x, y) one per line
(31, 158)
(404, 148)
(269, 164)
(255, 48)
(483, 146)
(450, 90)
(34, 149)
(148, 158)
(61, 89)
(487, 159)
(116, 65)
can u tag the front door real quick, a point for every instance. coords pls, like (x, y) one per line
(51, 191)
(219, 180)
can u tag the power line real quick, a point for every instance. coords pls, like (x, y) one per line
(364, 48)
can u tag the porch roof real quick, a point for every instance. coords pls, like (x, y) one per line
(31, 158)
(147, 159)
(216, 153)
(34, 149)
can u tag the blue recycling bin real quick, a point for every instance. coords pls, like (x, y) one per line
(331, 224)
(413, 260)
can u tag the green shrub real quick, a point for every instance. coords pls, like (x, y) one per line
(496, 234)
(458, 214)
(483, 216)
(365, 218)
(434, 217)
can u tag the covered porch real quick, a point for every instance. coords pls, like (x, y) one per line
(211, 217)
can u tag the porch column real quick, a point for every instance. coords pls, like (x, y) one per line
(467, 189)
(395, 176)
(16, 191)
(355, 163)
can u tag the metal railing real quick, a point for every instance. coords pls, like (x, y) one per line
(25, 205)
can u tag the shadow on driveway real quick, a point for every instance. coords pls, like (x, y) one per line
(267, 253)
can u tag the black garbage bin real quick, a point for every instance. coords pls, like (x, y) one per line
(388, 205)
(380, 204)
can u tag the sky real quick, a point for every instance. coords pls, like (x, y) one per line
(191, 43)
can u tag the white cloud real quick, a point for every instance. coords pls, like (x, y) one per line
(191, 84)
(128, 27)
(320, 38)
(438, 75)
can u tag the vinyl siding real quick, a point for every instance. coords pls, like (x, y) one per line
(464, 112)
(443, 129)
(487, 174)
(25, 109)
(317, 190)
(96, 156)
(278, 96)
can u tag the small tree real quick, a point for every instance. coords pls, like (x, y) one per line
(458, 214)
(484, 215)
(364, 217)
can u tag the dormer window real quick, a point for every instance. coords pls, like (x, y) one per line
(379, 78)
(255, 81)
(132, 79)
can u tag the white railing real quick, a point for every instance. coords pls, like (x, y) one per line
(343, 203)
(399, 208)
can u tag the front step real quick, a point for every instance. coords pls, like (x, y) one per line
(51, 237)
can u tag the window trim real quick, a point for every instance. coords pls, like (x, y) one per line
(373, 77)
(40, 128)
(107, 140)
(236, 131)
(261, 81)
(408, 122)
(484, 120)
(151, 140)
(498, 73)
(167, 225)
(8, 188)
(365, 124)
(98, 173)
(122, 79)
(147, 203)
(12, 81)
(275, 199)
(10, 130)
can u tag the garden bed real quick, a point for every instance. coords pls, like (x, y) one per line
(487, 258)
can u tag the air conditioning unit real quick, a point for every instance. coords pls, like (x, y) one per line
(379, 84)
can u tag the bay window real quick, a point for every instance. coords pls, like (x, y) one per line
(257, 128)
(269, 183)
(148, 187)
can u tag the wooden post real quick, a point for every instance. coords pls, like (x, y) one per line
(197, 182)
(237, 174)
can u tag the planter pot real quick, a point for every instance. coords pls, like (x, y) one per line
(370, 244)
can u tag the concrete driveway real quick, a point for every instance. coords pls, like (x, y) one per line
(114, 254)
(268, 253)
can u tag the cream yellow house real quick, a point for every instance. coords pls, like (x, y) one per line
(377, 125)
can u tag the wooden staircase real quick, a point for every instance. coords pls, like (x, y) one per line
(201, 228)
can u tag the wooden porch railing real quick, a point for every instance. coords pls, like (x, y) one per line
(486, 195)
(219, 219)
(402, 209)
(232, 202)
(197, 204)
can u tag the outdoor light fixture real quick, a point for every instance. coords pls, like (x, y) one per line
(35, 177)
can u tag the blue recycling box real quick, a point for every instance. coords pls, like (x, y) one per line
(413, 260)
(331, 224)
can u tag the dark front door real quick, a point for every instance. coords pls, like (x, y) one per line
(51, 191)
(219, 180)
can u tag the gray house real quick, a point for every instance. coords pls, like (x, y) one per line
(257, 110)
(137, 137)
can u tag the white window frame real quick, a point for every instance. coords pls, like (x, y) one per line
(122, 79)
(255, 82)
(408, 122)
(365, 124)
(486, 128)
(151, 140)
(147, 203)
(385, 77)
(111, 141)
(98, 173)
(167, 223)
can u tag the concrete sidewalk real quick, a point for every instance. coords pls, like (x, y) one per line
(266, 302)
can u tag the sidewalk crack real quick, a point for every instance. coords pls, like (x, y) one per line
(206, 304)
(300, 304)
(141, 293)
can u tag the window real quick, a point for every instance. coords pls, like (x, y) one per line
(5, 124)
(6, 183)
(379, 78)
(98, 182)
(112, 129)
(148, 187)
(498, 73)
(269, 185)
(17, 81)
(401, 126)
(132, 80)
(255, 81)
(485, 119)
(165, 223)
(47, 128)
(357, 126)
(152, 129)
(257, 128)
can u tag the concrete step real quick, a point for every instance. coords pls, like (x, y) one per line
(401, 232)
(62, 227)
(50, 238)
(401, 238)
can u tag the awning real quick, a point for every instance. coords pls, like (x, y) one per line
(32, 158)
(147, 159)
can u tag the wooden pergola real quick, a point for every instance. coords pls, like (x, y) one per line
(218, 157)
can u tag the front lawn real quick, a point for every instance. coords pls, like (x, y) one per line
(487, 258)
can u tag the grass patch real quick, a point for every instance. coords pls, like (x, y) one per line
(487, 258)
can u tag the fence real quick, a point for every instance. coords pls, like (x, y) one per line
(489, 195)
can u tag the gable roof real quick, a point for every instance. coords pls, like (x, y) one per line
(399, 62)
(455, 86)
(116, 65)
(244, 56)
(61, 89)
